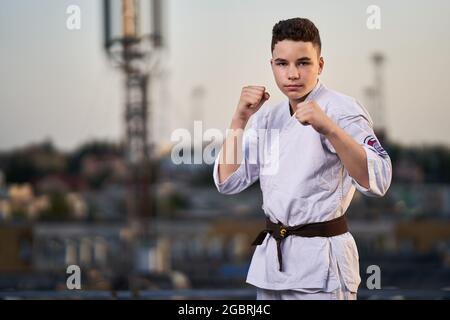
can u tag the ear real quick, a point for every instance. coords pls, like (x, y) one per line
(271, 65)
(321, 64)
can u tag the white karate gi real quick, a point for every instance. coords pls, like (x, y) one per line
(310, 184)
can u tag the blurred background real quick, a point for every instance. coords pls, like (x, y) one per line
(91, 95)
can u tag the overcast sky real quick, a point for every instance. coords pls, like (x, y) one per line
(57, 83)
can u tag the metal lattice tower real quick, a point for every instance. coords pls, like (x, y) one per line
(133, 50)
(376, 97)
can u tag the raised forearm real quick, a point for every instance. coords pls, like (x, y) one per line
(251, 99)
(352, 155)
(231, 155)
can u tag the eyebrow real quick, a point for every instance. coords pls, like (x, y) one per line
(300, 59)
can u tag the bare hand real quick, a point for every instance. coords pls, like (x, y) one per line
(310, 113)
(252, 98)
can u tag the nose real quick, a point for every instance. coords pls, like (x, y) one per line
(293, 73)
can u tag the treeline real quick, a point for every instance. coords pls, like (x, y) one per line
(430, 163)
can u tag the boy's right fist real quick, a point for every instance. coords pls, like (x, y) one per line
(252, 98)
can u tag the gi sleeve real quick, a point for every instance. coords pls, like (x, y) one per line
(359, 127)
(248, 171)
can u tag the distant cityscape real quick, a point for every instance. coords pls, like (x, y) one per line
(59, 209)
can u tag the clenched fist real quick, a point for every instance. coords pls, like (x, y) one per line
(252, 98)
(310, 113)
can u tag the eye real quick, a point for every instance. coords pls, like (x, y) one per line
(281, 63)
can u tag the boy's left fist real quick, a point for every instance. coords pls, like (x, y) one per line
(310, 113)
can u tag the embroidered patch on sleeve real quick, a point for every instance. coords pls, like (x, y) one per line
(375, 145)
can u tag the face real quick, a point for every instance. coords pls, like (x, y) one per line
(296, 67)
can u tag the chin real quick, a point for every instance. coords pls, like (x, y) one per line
(295, 95)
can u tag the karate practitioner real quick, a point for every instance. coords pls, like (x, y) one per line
(309, 153)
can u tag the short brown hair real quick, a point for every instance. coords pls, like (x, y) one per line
(296, 29)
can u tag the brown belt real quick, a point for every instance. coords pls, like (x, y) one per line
(279, 231)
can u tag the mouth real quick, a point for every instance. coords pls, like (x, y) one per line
(293, 87)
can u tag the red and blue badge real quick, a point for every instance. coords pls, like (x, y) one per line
(375, 145)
